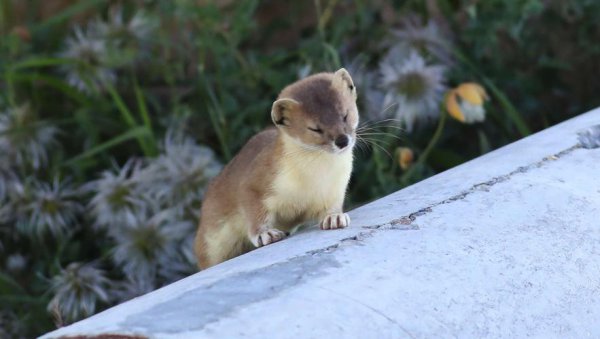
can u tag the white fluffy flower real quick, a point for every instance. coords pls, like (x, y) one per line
(16, 262)
(88, 70)
(77, 289)
(178, 177)
(49, 208)
(413, 89)
(427, 39)
(126, 39)
(151, 247)
(117, 199)
(24, 139)
(11, 326)
(138, 29)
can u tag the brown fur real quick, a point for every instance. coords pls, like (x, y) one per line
(284, 176)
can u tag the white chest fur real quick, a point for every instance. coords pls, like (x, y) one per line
(309, 184)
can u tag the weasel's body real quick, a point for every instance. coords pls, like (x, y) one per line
(284, 176)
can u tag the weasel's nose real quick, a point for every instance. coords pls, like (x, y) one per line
(342, 141)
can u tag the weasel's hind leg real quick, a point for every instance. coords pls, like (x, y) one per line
(215, 245)
(201, 249)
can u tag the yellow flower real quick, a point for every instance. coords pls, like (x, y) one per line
(465, 102)
(405, 157)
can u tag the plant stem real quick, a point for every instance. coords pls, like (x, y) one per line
(423, 157)
(502, 98)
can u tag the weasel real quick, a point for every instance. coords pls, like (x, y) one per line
(285, 176)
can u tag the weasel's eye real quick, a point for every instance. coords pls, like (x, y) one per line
(351, 87)
(316, 130)
(346, 117)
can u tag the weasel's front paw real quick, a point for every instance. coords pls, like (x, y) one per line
(333, 221)
(268, 237)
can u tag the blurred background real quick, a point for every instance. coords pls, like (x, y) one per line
(114, 115)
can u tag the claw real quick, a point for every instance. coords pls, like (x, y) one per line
(268, 237)
(336, 220)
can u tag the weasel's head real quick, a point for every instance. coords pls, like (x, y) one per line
(319, 112)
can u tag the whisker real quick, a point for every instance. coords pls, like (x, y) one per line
(380, 124)
(383, 149)
(387, 108)
(375, 134)
(375, 122)
(372, 144)
(361, 146)
(378, 130)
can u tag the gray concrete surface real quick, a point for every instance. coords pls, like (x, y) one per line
(506, 245)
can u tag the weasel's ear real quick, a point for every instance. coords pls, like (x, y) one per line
(343, 82)
(282, 110)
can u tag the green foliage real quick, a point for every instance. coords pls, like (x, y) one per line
(112, 80)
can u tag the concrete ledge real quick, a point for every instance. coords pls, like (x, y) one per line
(506, 245)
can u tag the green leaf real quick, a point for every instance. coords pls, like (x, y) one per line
(67, 13)
(333, 54)
(484, 142)
(129, 119)
(56, 83)
(508, 107)
(20, 299)
(9, 286)
(135, 133)
(445, 158)
(217, 118)
(41, 62)
(143, 108)
(121, 106)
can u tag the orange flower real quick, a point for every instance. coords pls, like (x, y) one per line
(465, 102)
(405, 157)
